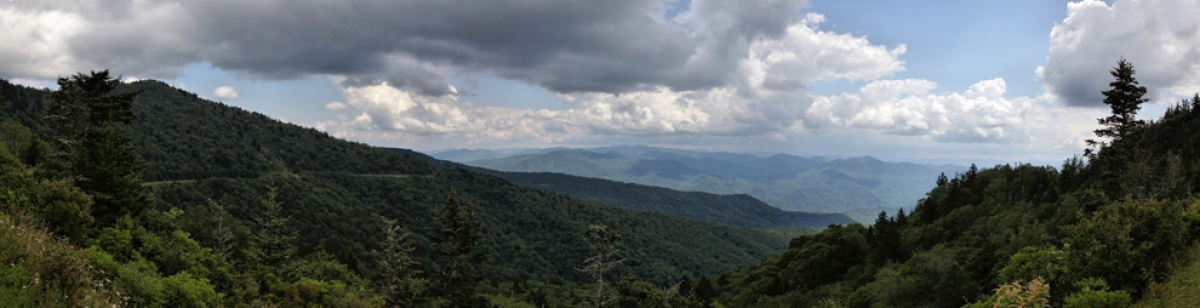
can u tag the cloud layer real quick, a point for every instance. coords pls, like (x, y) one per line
(1160, 37)
(565, 46)
(624, 68)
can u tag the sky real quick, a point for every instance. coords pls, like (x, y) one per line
(927, 81)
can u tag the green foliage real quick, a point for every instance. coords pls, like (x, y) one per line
(600, 240)
(273, 241)
(316, 293)
(936, 278)
(1125, 99)
(156, 271)
(455, 241)
(43, 271)
(1034, 294)
(1178, 290)
(91, 148)
(64, 208)
(24, 105)
(636, 293)
(1128, 243)
(184, 137)
(1047, 264)
(501, 301)
(324, 266)
(397, 270)
(1094, 293)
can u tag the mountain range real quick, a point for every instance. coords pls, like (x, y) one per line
(788, 182)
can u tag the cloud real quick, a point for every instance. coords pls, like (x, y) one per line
(763, 93)
(981, 114)
(336, 106)
(805, 54)
(1160, 37)
(565, 46)
(226, 92)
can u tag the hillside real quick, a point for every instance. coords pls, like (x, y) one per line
(212, 167)
(788, 182)
(734, 210)
(1106, 230)
(529, 234)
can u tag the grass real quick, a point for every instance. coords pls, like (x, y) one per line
(1182, 289)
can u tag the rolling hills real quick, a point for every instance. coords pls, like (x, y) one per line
(810, 184)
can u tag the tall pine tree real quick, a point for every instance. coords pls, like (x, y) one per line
(396, 268)
(273, 245)
(600, 239)
(92, 148)
(1125, 99)
(455, 241)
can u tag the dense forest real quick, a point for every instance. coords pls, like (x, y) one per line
(242, 210)
(734, 210)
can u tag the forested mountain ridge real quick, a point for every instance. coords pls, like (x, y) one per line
(734, 210)
(789, 182)
(1108, 229)
(246, 209)
(182, 136)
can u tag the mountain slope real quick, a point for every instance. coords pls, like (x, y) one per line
(735, 210)
(337, 191)
(785, 181)
(1119, 226)
(182, 136)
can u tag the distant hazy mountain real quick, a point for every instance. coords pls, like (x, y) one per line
(788, 182)
(735, 210)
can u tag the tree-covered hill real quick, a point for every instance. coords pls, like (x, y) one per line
(182, 136)
(735, 210)
(531, 235)
(1107, 229)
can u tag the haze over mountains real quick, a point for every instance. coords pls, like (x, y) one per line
(789, 182)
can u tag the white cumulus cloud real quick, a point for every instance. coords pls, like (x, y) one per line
(226, 92)
(981, 114)
(1160, 37)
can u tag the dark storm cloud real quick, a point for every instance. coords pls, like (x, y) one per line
(566, 46)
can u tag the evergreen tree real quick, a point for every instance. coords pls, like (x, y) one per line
(886, 245)
(91, 148)
(397, 270)
(455, 243)
(685, 285)
(1195, 104)
(273, 245)
(703, 290)
(600, 239)
(223, 239)
(1125, 99)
